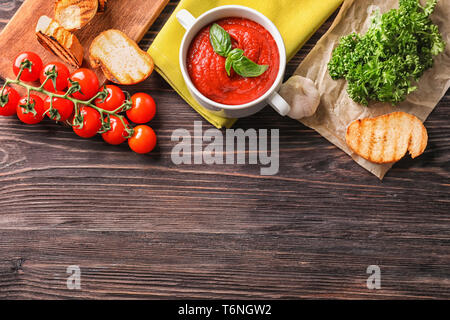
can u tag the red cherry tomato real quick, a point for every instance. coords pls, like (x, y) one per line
(36, 66)
(88, 81)
(11, 99)
(117, 134)
(143, 109)
(143, 140)
(61, 79)
(114, 100)
(30, 118)
(92, 123)
(63, 106)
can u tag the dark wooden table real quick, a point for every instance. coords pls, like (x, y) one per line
(142, 227)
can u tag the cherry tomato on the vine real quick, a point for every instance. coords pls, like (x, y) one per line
(143, 140)
(29, 117)
(36, 66)
(92, 123)
(114, 100)
(117, 134)
(63, 106)
(88, 82)
(61, 80)
(11, 99)
(143, 108)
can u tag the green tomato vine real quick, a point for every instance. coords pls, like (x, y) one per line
(78, 118)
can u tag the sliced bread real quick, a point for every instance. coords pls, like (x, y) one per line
(387, 138)
(120, 58)
(75, 14)
(59, 41)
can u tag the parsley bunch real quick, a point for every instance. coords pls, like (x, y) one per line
(398, 48)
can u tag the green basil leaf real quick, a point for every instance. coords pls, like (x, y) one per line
(247, 68)
(228, 65)
(220, 40)
(221, 43)
(236, 54)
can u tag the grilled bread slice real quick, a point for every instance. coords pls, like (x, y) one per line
(102, 4)
(59, 41)
(75, 14)
(386, 139)
(120, 58)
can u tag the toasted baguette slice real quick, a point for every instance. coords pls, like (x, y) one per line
(59, 41)
(120, 58)
(75, 14)
(386, 139)
(102, 4)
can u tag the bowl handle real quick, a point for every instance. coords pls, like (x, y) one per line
(185, 18)
(279, 104)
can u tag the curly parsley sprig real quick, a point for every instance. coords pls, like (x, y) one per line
(398, 48)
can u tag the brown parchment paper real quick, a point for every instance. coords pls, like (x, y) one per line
(337, 110)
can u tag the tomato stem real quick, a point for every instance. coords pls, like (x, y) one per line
(72, 89)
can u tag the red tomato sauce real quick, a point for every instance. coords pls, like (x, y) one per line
(207, 69)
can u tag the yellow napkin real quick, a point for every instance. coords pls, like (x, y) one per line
(297, 21)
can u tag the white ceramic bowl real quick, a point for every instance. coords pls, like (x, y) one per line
(193, 27)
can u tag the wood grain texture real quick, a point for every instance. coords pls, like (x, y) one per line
(142, 227)
(133, 17)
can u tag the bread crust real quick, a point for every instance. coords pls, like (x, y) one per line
(59, 41)
(121, 77)
(387, 139)
(75, 14)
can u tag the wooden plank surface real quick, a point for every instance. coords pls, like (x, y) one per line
(142, 227)
(132, 17)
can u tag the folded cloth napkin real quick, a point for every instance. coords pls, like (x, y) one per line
(297, 21)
